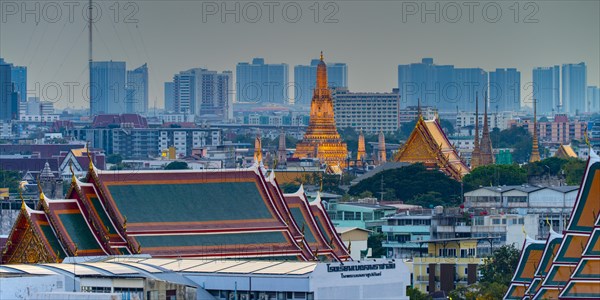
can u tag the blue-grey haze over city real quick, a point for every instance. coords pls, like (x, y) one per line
(371, 37)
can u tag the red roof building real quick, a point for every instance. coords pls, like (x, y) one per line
(178, 213)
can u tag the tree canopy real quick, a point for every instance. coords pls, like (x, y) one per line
(515, 137)
(413, 184)
(177, 165)
(495, 175)
(9, 179)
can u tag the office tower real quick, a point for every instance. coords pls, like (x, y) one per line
(169, 97)
(203, 93)
(467, 82)
(137, 90)
(574, 83)
(8, 98)
(546, 89)
(505, 90)
(442, 86)
(19, 79)
(306, 76)
(108, 84)
(258, 82)
(184, 86)
(593, 99)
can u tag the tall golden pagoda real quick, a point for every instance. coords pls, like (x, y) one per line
(485, 148)
(476, 154)
(361, 153)
(381, 156)
(321, 139)
(535, 152)
(258, 149)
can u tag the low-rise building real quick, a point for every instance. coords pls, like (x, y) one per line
(447, 264)
(548, 204)
(362, 215)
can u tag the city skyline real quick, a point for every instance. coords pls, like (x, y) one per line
(526, 45)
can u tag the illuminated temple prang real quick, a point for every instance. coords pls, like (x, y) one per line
(322, 140)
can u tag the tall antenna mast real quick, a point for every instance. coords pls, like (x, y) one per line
(90, 51)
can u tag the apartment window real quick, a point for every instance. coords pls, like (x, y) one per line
(521, 221)
(496, 221)
(478, 221)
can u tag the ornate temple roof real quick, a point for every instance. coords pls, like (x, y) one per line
(570, 265)
(176, 213)
(565, 151)
(428, 144)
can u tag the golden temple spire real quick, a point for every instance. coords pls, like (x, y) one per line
(73, 178)
(258, 149)
(419, 108)
(40, 190)
(322, 76)
(89, 155)
(23, 205)
(475, 155)
(535, 152)
(361, 153)
(382, 155)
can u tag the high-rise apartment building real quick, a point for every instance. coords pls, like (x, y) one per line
(371, 112)
(593, 99)
(305, 77)
(546, 89)
(258, 82)
(137, 90)
(203, 93)
(169, 96)
(443, 86)
(505, 90)
(574, 84)
(9, 106)
(107, 91)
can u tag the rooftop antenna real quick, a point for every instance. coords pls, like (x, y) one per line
(90, 57)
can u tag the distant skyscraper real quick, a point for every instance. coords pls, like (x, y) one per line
(593, 99)
(6, 93)
(546, 89)
(170, 96)
(258, 82)
(574, 83)
(203, 93)
(19, 78)
(505, 90)
(108, 88)
(442, 86)
(184, 86)
(305, 78)
(137, 90)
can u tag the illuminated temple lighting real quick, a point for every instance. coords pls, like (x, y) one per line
(322, 140)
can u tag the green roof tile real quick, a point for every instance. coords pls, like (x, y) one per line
(194, 202)
(256, 238)
(79, 231)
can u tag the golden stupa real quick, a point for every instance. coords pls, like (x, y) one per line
(321, 139)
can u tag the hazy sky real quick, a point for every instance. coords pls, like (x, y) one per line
(372, 37)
